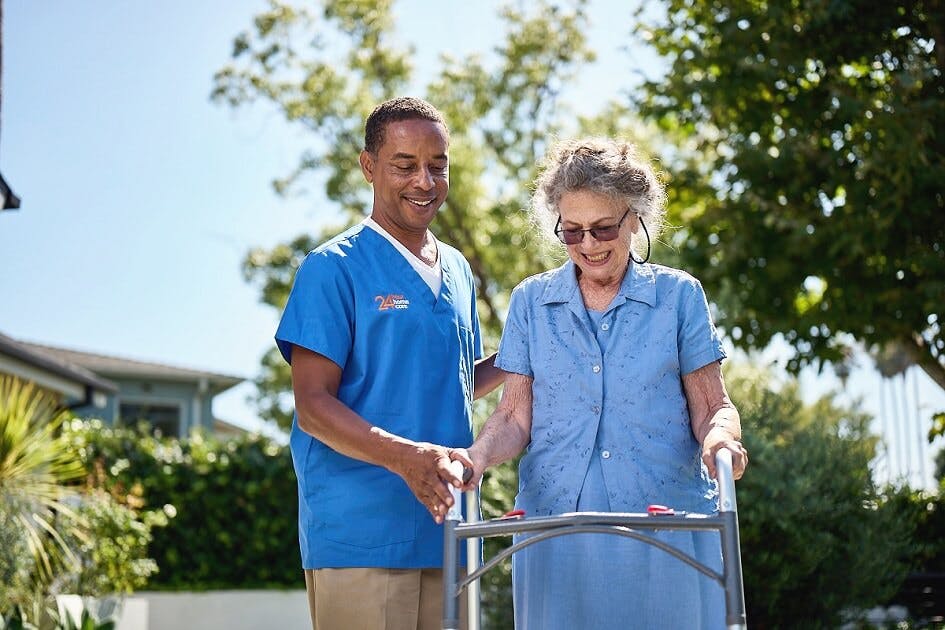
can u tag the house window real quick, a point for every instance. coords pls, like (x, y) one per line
(164, 419)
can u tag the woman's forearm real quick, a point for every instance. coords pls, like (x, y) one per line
(508, 430)
(501, 439)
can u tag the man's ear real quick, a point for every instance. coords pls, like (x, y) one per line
(367, 166)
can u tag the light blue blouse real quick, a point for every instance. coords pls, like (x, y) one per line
(611, 432)
(623, 380)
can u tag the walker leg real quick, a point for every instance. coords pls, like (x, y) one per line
(731, 547)
(450, 571)
(473, 554)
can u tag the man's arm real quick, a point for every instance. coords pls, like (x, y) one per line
(715, 421)
(425, 467)
(486, 377)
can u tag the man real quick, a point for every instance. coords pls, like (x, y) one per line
(382, 335)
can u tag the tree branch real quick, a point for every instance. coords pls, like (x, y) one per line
(921, 353)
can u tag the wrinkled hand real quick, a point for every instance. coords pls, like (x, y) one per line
(425, 468)
(720, 438)
(470, 461)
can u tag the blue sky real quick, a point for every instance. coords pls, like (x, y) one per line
(141, 197)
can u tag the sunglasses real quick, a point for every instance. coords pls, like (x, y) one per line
(602, 233)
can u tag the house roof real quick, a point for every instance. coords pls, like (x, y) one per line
(120, 367)
(56, 365)
(227, 428)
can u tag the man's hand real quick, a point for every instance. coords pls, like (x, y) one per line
(425, 468)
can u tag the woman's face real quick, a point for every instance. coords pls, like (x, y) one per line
(602, 262)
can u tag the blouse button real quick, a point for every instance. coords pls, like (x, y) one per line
(596, 369)
(605, 454)
(595, 409)
(605, 326)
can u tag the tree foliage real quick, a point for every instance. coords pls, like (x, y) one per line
(326, 68)
(499, 120)
(815, 207)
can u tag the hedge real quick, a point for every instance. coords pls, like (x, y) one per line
(233, 504)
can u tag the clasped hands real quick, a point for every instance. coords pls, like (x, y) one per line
(426, 469)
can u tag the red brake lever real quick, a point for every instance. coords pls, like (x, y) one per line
(660, 510)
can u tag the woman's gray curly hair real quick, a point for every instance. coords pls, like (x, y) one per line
(605, 166)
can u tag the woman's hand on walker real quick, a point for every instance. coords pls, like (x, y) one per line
(719, 438)
(472, 473)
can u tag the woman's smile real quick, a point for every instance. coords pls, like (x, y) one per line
(597, 259)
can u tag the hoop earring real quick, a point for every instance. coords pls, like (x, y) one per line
(647, 257)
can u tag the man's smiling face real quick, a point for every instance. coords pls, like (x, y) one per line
(410, 175)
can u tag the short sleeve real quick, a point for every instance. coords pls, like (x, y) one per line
(319, 313)
(513, 355)
(698, 341)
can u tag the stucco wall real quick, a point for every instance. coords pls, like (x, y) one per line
(213, 610)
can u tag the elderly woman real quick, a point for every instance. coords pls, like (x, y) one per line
(614, 387)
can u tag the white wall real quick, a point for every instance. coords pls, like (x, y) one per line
(216, 610)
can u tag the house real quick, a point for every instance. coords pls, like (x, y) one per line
(72, 385)
(174, 400)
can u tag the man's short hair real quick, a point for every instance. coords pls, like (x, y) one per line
(396, 110)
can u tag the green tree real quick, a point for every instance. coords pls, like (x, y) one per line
(936, 431)
(326, 70)
(815, 208)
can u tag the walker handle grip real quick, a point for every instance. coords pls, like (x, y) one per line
(459, 471)
(723, 472)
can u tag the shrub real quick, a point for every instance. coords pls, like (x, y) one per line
(922, 592)
(232, 505)
(16, 564)
(54, 537)
(816, 542)
(112, 550)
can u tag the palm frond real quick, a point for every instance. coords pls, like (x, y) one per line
(36, 467)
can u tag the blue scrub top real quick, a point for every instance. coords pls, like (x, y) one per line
(407, 360)
(611, 390)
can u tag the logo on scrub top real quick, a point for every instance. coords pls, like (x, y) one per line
(391, 301)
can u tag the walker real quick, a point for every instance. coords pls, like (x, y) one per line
(620, 524)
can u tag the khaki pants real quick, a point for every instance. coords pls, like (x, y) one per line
(377, 599)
